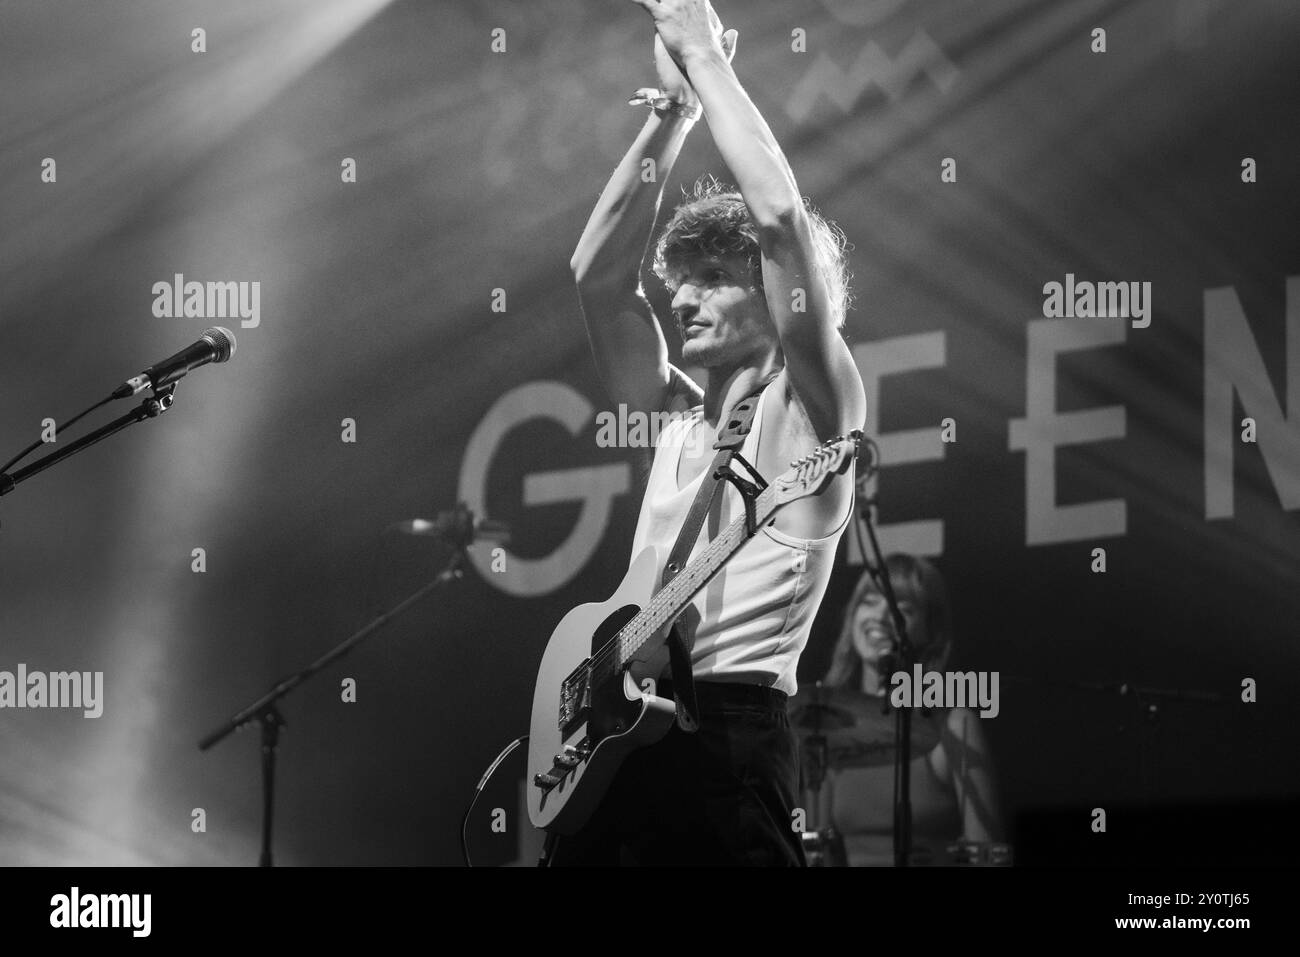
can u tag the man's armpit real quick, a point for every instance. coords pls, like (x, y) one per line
(682, 393)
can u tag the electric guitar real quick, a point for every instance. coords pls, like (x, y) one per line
(594, 700)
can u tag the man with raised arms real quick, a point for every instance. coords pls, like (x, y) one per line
(759, 292)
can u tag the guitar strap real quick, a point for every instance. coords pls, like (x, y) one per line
(730, 438)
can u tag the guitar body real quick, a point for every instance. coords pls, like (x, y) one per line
(614, 718)
(594, 702)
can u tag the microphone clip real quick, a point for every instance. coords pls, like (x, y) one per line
(161, 400)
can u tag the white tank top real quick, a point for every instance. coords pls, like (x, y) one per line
(751, 622)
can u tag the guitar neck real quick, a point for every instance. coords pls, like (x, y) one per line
(668, 603)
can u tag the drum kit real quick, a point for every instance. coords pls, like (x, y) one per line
(839, 728)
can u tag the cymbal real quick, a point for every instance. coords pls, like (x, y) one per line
(857, 733)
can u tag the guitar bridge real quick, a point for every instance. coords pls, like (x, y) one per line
(564, 764)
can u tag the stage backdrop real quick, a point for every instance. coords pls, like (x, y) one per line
(394, 190)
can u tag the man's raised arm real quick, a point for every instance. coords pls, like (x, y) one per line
(626, 341)
(818, 363)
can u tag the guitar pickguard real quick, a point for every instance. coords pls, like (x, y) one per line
(593, 692)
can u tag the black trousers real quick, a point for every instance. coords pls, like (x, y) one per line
(723, 796)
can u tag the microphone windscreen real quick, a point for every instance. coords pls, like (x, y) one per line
(223, 340)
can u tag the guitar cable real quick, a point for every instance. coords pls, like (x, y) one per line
(487, 775)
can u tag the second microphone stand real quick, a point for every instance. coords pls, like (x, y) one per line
(264, 710)
(902, 716)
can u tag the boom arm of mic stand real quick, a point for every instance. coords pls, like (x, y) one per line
(152, 407)
(264, 711)
(282, 688)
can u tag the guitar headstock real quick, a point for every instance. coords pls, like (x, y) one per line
(811, 474)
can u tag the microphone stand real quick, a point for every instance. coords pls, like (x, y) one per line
(151, 407)
(902, 716)
(1148, 700)
(264, 711)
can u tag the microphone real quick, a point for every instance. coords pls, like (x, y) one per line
(458, 527)
(216, 345)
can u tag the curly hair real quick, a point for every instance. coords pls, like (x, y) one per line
(714, 222)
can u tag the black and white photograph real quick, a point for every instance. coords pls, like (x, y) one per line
(855, 435)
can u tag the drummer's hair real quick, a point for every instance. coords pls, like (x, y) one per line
(912, 576)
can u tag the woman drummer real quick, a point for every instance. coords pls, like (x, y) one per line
(954, 797)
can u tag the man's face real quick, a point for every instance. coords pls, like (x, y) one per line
(722, 317)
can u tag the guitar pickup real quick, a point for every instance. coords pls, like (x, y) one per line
(575, 698)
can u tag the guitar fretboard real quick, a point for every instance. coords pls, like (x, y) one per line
(669, 602)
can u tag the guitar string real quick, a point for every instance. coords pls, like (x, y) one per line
(817, 461)
(723, 542)
(638, 625)
(638, 630)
